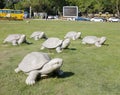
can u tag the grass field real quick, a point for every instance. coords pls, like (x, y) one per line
(88, 70)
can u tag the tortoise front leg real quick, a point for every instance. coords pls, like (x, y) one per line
(36, 38)
(32, 77)
(58, 49)
(97, 44)
(14, 42)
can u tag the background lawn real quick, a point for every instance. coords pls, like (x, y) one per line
(88, 70)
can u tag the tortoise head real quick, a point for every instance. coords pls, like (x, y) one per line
(43, 35)
(22, 39)
(65, 43)
(51, 66)
(56, 63)
(78, 35)
(102, 40)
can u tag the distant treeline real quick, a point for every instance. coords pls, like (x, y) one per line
(54, 7)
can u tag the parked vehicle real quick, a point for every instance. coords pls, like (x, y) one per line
(82, 19)
(50, 17)
(96, 19)
(114, 19)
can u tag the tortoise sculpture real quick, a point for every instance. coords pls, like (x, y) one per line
(38, 35)
(39, 63)
(94, 40)
(15, 39)
(73, 35)
(56, 43)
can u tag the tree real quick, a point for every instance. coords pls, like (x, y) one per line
(54, 7)
(116, 6)
(2, 4)
(10, 3)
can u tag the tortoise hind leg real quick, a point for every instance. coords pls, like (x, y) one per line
(42, 48)
(17, 70)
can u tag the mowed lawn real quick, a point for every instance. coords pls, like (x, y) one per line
(88, 70)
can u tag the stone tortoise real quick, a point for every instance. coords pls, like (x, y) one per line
(39, 63)
(54, 42)
(73, 35)
(94, 40)
(38, 35)
(15, 39)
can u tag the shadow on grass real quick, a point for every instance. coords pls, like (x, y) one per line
(66, 74)
(53, 75)
(106, 44)
(72, 48)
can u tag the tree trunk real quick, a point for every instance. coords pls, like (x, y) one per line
(117, 8)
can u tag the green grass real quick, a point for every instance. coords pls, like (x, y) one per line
(88, 70)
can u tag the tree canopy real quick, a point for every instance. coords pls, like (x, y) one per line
(55, 6)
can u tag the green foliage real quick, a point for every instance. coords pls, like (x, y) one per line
(55, 6)
(88, 70)
(2, 4)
